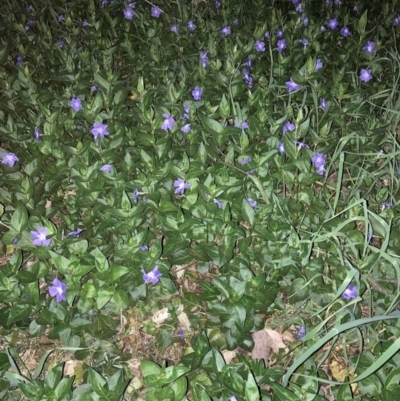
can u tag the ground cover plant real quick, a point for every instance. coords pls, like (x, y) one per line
(198, 200)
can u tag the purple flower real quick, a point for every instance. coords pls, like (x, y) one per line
(279, 33)
(318, 160)
(175, 28)
(345, 31)
(60, 18)
(129, 13)
(106, 168)
(323, 104)
(204, 60)
(181, 334)
(322, 29)
(99, 131)
(249, 62)
(75, 233)
(76, 104)
(304, 20)
(58, 290)
(155, 12)
(304, 42)
(19, 60)
(144, 248)
(94, 88)
(245, 124)
(61, 43)
(365, 75)
(186, 128)
(233, 398)
(250, 171)
(185, 115)
(350, 292)
(300, 333)
(281, 148)
(180, 186)
(288, 126)
(333, 23)
(369, 47)
(281, 45)
(9, 159)
(226, 30)
(30, 9)
(247, 77)
(260, 46)
(245, 161)
(294, 2)
(252, 202)
(267, 35)
(396, 21)
(318, 64)
(168, 123)
(135, 195)
(191, 26)
(387, 204)
(197, 93)
(292, 86)
(27, 27)
(321, 170)
(218, 203)
(39, 237)
(153, 277)
(132, 5)
(15, 240)
(235, 21)
(217, 5)
(299, 8)
(302, 145)
(85, 23)
(37, 134)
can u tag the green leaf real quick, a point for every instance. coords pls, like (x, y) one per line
(104, 294)
(251, 390)
(78, 247)
(54, 376)
(60, 262)
(97, 382)
(4, 49)
(18, 313)
(211, 125)
(151, 372)
(164, 337)
(64, 388)
(180, 388)
(299, 290)
(19, 218)
(103, 83)
(283, 394)
(173, 372)
(248, 212)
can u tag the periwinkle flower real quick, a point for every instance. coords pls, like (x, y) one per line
(318, 160)
(300, 333)
(260, 46)
(281, 45)
(226, 30)
(175, 28)
(291, 85)
(302, 145)
(152, 277)
(369, 47)
(76, 104)
(387, 204)
(129, 13)
(281, 148)
(304, 42)
(197, 93)
(249, 62)
(252, 202)
(186, 128)
(245, 161)
(267, 35)
(30, 9)
(322, 29)
(61, 43)
(58, 290)
(136, 195)
(245, 124)
(350, 292)
(60, 18)
(94, 88)
(323, 104)
(181, 334)
(19, 60)
(218, 203)
(247, 77)
(365, 75)
(321, 170)
(279, 33)
(37, 134)
(299, 8)
(305, 20)
(185, 115)
(99, 131)
(39, 237)
(168, 123)
(288, 126)
(318, 64)
(345, 32)
(333, 23)
(191, 26)
(106, 168)
(396, 21)
(180, 185)
(155, 12)
(75, 233)
(204, 59)
(144, 248)
(235, 21)
(9, 159)
(85, 23)
(217, 5)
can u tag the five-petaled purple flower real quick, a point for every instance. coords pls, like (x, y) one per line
(76, 104)
(175, 28)
(60, 18)
(281, 148)
(152, 277)
(39, 237)
(252, 202)
(281, 45)
(106, 168)
(369, 47)
(267, 35)
(191, 26)
(288, 126)
(345, 31)
(186, 128)
(197, 93)
(249, 62)
(144, 248)
(155, 12)
(333, 23)
(365, 75)
(318, 64)
(218, 203)
(85, 23)
(9, 159)
(292, 86)
(226, 30)
(129, 13)
(299, 8)
(300, 333)
(318, 160)
(99, 131)
(180, 185)
(58, 290)
(94, 88)
(260, 46)
(350, 292)
(217, 5)
(37, 134)
(168, 123)
(279, 33)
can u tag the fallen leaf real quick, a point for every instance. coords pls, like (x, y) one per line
(228, 355)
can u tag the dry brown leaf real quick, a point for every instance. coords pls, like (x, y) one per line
(69, 367)
(288, 337)
(275, 340)
(228, 355)
(266, 341)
